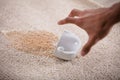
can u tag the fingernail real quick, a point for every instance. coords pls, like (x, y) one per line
(83, 53)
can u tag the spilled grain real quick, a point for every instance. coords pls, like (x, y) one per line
(35, 42)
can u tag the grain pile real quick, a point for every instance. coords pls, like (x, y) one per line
(35, 42)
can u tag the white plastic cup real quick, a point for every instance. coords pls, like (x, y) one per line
(68, 46)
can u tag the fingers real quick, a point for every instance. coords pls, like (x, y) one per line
(88, 45)
(68, 20)
(74, 12)
(71, 19)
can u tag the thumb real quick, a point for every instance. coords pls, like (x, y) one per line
(86, 48)
(68, 20)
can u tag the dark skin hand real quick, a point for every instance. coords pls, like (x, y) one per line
(97, 23)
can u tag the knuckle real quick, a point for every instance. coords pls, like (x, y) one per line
(74, 10)
(80, 22)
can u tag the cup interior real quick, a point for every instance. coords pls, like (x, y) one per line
(69, 42)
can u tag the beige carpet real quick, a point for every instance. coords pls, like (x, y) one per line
(105, 3)
(102, 63)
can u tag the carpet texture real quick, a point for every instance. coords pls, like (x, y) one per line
(102, 62)
(104, 3)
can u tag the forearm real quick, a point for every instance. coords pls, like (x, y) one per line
(115, 12)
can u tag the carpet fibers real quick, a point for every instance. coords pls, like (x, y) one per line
(102, 62)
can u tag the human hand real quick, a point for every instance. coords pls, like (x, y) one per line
(97, 23)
